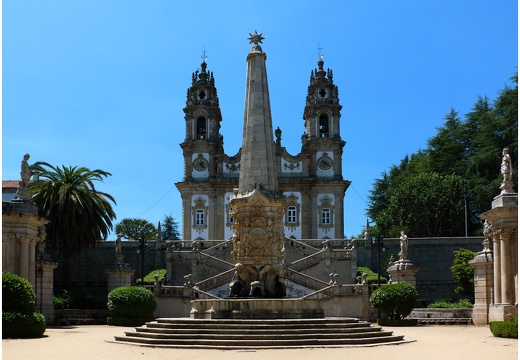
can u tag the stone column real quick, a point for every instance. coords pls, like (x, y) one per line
(483, 280)
(24, 258)
(497, 289)
(45, 287)
(505, 267)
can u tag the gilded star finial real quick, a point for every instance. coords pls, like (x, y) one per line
(255, 38)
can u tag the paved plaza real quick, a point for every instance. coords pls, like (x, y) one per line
(431, 342)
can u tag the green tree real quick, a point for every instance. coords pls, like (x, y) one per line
(135, 229)
(469, 147)
(425, 205)
(463, 272)
(170, 228)
(79, 214)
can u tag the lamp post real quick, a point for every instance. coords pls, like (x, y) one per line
(141, 248)
(379, 240)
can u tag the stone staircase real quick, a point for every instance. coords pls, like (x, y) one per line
(258, 334)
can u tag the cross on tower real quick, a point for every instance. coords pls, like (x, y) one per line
(320, 53)
(204, 56)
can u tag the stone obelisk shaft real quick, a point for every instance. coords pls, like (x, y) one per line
(257, 165)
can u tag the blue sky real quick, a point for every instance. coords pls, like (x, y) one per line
(102, 84)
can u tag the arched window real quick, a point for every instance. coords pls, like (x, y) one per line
(324, 126)
(201, 128)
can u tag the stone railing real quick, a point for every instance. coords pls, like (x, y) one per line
(214, 262)
(217, 280)
(305, 280)
(342, 290)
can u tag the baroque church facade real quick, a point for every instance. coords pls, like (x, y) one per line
(311, 181)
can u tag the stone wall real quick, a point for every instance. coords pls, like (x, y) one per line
(434, 256)
(88, 269)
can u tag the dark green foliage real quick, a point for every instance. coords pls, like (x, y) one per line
(505, 329)
(170, 228)
(371, 275)
(396, 301)
(135, 229)
(132, 301)
(61, 301)
(79, 214)
(22, 325)
(150, 278)
(463, 272)
(468, 149)
(445, 304)
(17, 294)
(18, 317)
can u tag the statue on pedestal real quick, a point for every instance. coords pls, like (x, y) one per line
(23, 191)
(506, 169)
(404, 246)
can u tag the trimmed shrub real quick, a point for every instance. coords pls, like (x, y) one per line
(18, 300)
(506, 329)
(445, 304)
(17, 294)
(22, 325)
(132, 302)
(396, 301)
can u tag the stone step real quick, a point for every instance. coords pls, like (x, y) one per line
(260, 336)
(257, 343)
(255, 334)
(153, 328)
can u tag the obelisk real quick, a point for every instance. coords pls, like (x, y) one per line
(257, 208)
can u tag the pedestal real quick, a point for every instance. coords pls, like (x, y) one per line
(120, 274)
(483, 280)
(403, 271)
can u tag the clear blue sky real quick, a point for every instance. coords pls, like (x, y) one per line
(102, 84)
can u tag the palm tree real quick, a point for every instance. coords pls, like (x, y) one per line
(79, 214)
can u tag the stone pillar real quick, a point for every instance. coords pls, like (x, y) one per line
(120, 274)
(497, 288)
(483, 280)
(45, 287)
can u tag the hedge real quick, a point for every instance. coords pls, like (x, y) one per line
(132, 302)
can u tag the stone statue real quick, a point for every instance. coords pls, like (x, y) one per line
(23, 191)
(506, 167)
(404, 246)
(488, 235)
(118, 245)
(278, 134)
(25, 172)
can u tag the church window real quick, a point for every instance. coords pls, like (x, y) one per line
(324, 126)
(325, 216)
(291, 214)
(200, 214)
(201, 128)
(199, 218)
(326, 213)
